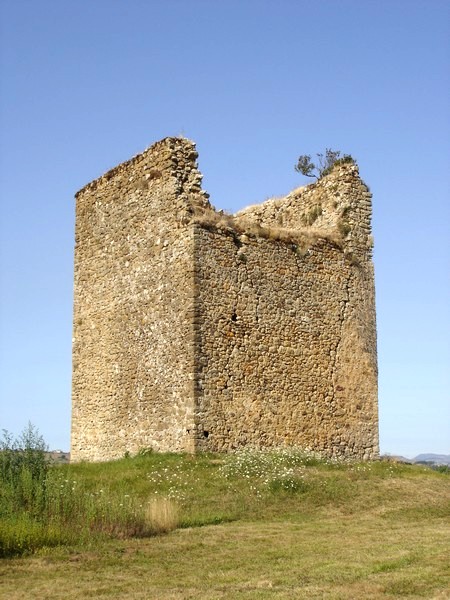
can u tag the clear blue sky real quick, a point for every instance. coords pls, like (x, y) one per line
(87, 84)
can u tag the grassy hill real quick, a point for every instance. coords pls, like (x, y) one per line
(249, 525)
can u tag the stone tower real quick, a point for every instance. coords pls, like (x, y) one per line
(194, 330)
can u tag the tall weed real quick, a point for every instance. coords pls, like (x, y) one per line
(41, 506)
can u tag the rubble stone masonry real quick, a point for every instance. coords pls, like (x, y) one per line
(196, 331)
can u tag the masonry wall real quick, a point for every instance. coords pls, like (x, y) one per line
(339, 208)
(196, 331)
(284, 349)
(133, 366)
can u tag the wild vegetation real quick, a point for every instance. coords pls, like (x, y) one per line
(45, 506)
(300, 239)
(324, 163)
(252, 524)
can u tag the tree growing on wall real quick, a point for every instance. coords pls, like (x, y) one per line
(325, 162)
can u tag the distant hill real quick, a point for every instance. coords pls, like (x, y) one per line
(58, 456)
(397, 458)
(429, 459)
(435, 459)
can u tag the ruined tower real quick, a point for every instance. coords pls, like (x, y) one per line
(198, 331)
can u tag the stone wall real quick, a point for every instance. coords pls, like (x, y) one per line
(198, 331)
(133, 366)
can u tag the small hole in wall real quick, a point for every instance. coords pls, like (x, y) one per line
(234, 317)
(237, 241)
(206, 434)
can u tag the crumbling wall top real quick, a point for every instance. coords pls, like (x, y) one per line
(172, 159)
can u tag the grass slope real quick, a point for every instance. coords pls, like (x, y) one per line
(255, 525)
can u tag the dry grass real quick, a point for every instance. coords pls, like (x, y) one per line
(162, 515)
(334, 557)
(302, 238)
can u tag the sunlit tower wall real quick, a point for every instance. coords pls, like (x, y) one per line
(194, 331)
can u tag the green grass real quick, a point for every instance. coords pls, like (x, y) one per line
(249, 525)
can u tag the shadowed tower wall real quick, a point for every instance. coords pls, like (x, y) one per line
(196, 331)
